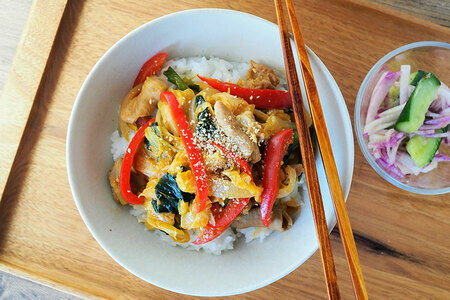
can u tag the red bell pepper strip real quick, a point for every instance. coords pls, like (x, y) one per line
(273, 156)
(208, 234)
(265, 99)
(230, 212)
(194, 155)
(216, 208)
(151, 67)
(127, 164)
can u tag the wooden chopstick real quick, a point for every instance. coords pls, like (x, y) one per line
(328, 159)
(308, 159)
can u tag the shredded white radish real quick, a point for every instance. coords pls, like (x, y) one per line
(404, 83)
(396, 110)
(386, 119)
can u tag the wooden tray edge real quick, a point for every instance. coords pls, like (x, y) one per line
(396, 14)
(45, 282)
(38, 35)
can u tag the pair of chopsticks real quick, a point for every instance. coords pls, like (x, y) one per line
(309, 161)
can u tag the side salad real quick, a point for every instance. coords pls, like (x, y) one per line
(407, 122)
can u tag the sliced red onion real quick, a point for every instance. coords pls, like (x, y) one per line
(432, 114)
(389, 139)
(431, 166)
(396, 171)
(392, 152)
(394, 144)
(445, 111)
(422, 132)
(404, 83)
(405, 163)
(376, 154)
(441, 157)
(380, 91)
(435, 135)
(398, 137)
(438, 105)
(432, 127)
(442, 120)
(392, 170)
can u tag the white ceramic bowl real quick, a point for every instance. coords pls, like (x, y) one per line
(230, 35)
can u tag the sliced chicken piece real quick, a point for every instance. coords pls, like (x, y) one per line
(280, 220)
(114, 181)
(261, 77)
(144, 162)
(233, 129)
(145, 103)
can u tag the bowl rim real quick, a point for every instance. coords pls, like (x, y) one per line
(71, 166)
(357, 115)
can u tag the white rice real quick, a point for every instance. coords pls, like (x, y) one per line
(226, 240)
(213, 67)
(254, 233)
(118, 145)
(223, 242)
(225, 71)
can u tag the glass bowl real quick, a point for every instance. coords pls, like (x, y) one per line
(428, 56)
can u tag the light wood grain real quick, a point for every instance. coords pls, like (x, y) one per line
(13, 17)
(25, 77)
(308, 159)
(323, 139)
(436, 11)
(20, 288)
(402, 238)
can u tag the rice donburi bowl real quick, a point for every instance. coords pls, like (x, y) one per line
(95, 117)
(207, 157)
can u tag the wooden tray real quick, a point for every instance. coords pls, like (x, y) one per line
(402, 238)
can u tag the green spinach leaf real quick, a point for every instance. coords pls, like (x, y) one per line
(168, 194)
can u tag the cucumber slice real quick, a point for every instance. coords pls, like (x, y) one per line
(416, 76)
(413, 114)
(422, 149)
